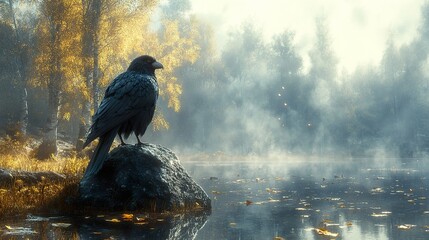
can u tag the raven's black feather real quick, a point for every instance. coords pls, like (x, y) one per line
(128, 106)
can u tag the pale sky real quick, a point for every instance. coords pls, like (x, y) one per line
(358, 28)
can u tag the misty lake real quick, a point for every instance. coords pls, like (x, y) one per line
(290, 199)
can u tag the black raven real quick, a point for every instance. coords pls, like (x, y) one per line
(128, 106)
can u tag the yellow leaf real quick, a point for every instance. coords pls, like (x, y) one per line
(325, 232)
(114, 220)
(127, 216)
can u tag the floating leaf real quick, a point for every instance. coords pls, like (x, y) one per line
(114, 220)
(127, 216)
(248, 202)
(406, 226)
(61, 225)
(325, 232)
(379, 214)
(278, 238)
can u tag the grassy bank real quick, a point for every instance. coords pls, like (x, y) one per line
(44, 196)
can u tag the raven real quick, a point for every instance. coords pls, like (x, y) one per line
(128, 106)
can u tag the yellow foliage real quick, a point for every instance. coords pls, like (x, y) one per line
(159, 121)
(124, 31)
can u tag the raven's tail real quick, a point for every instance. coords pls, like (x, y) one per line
(100, 153)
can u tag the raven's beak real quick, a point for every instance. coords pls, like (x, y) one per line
(157, 65)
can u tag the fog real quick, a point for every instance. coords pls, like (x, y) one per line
(305, 85)
(261, 97)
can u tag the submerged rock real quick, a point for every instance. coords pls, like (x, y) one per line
(146, 177)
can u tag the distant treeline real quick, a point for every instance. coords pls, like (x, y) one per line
(250, 97)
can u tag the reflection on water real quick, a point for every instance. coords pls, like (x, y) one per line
(353, 199)
(265, 200)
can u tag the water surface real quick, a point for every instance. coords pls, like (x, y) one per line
(345, 199)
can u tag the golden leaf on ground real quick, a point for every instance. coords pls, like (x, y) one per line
(325, 232)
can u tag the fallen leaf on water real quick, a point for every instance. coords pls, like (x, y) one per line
(406, 226)
(325, 232)
(271, 190)
(379, 215)
(61, 225)
(18, 230)
(248, 202)
(114, 220)
(216, 192)
(141, 223)
(278, 238)
(127, 216)
(233, 224)
(100, 216)
(349, 224)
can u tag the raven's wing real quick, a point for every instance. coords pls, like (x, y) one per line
(127, 95)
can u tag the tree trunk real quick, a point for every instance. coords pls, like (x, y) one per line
(22, 79)
(96, 75)
(90, 52)
(83, 124)
(23, 112)
(48, 147)
(96, 14)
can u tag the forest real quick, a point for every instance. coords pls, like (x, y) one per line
(252, 96)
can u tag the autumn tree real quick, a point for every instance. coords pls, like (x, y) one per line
(173, 48)
(109, 35)
(57, 62)
(13, 15)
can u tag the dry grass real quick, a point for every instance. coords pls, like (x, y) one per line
(45, 196)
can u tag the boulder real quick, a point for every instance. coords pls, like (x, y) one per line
(142, 177)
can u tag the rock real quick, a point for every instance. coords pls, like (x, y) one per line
(9, 177)
(146, 177)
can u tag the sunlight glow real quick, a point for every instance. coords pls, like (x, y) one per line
(358, 29)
